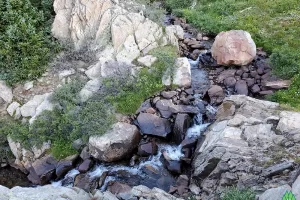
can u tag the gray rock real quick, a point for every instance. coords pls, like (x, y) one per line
(28, 85)
(42, 170)
(277, 169)
(296, 188)
(118, 187)
(255, 89)
(47, 192)
(229, 81)
(65, 165)
(226, 74)
(275, 193)
(289, 122)
(11, 109)
(5, 92)
(164, 108)
(85, 166)
(241, 87)
(216, 94)
(88, 184)
(182, 123)
(153, 125)
(116, 144)
(147, 149)
(168, 94)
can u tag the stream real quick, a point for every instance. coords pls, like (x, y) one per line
(151, 171)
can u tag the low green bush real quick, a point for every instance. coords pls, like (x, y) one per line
(131, 93)
(25, 41)
(66, 123)
(234, 193)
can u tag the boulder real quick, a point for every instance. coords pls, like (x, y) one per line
(241, 87)
(181, 74)
(42, 171)
(148, 149)
(147, 60)
(118, 187)
(153, 125)
(230, 82)
(11, 109)
(65, 165)
(296, 188)
(47, 192)
(238, 144)
(289, 122)
(226, 74)
(116, 144)
(6, 96)
(216, 94)
(167, 108)
(144, 192)
(5, 92)
(88, 184)
(182, 123)
(85, 166)
(234, 47)
(275, 193)
(29, 108)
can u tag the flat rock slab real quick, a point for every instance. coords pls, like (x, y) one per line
(153, 125)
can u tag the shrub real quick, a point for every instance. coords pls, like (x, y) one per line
(67, 95)
(25, 43)
(234, 193)
(129, 94)
(66, 123)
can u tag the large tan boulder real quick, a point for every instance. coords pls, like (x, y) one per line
(116, 144)
(234, 47)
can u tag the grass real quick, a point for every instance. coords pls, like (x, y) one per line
(148, 82)
(290, 97)
(274, 25)
(234, 193)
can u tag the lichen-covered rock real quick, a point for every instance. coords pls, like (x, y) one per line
(116, 144)
(234, 47)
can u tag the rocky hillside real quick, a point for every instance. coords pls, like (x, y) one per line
(132, 108)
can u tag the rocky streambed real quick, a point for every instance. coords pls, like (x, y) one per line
(193, 141)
